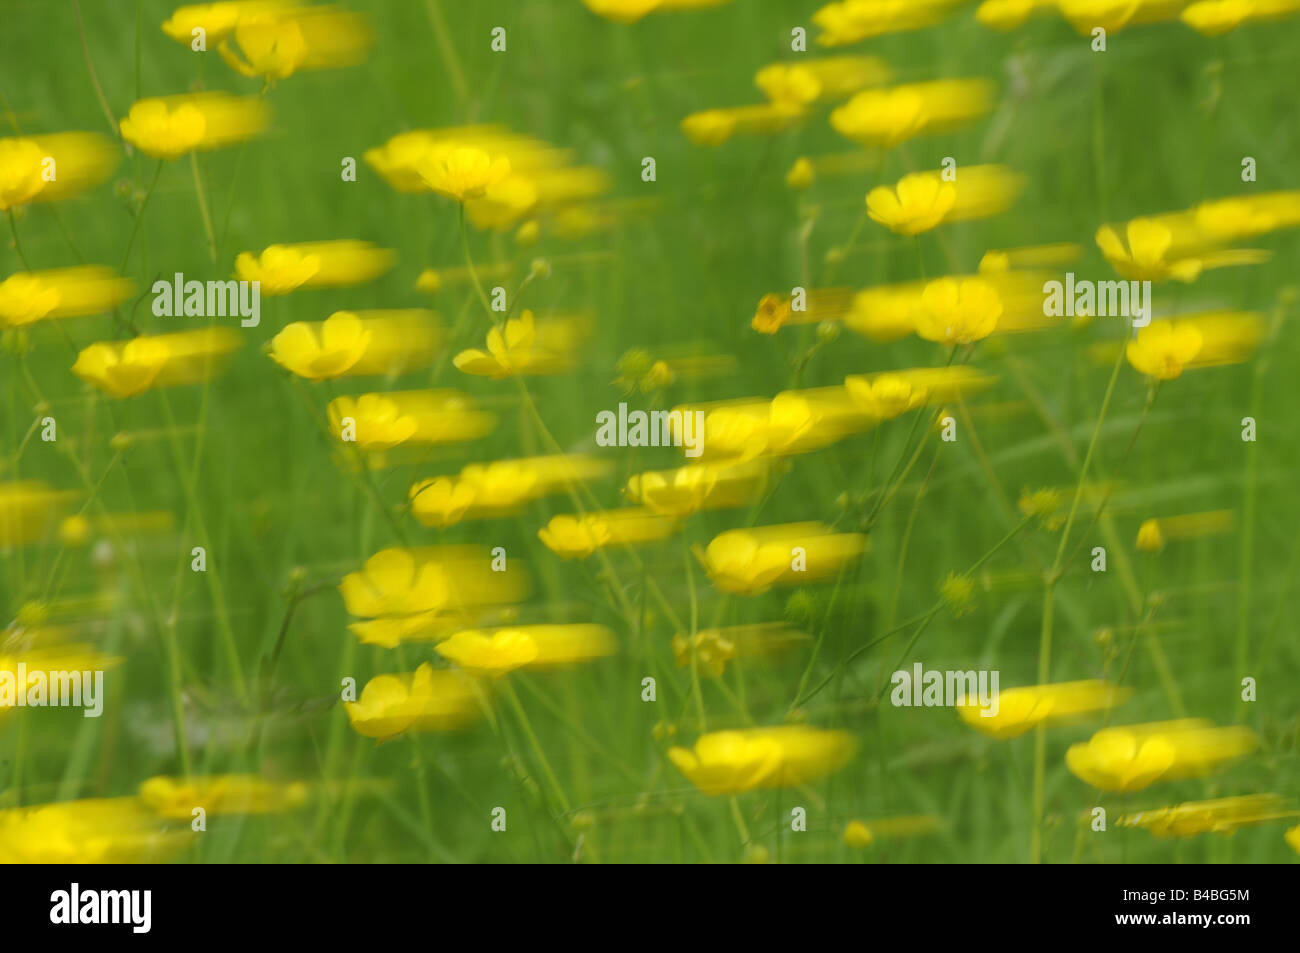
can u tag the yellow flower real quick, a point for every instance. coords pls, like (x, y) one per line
(97, 831)
(1110, 15)
(887, 117)
(732, 762)
(411, 581)
(380, 423)
(1005, 14)
(383, 421)
(396, 581)
(577, 537)
(1293, 838)
(887, 395)
(1221, 815)
(273, 48)
(1163, 349)
(751, 561)
(463, 172)
(772, 313)
(1148, 252)
(1117, 760)
(858, 834)
(692, 488)
(712, 127)
(788, 85)
(503, 203)
(392, 631)
(216, 20)
(1135, 756)
(279, 269)
(516, 350)
(801, 174)
(52, 167)
(428, 700)
(176, 798)
(851, 21)
(1149, 537)
(442, 502)
(124, 371)
(622, 11)
(508, 352)
(340, 342)
(163, 132)
(493, 655)
(1019, 710)
(20, 172)
(30, 296)
(959, 313)
(918, 203)
(283, 268)
(25, 299)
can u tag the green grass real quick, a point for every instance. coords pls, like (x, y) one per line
(1101, 137)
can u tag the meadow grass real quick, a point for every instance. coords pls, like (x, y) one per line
(244, 662)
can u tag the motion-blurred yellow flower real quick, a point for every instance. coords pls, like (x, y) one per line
(330, 352)
(226, 794)
(732, 762)
(1133, 757)
(122, 371)
(428, 700)
(916, 204)
(463, 172)
(959, 312)
(1163, 349)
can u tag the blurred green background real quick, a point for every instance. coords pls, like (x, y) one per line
(1158, 122)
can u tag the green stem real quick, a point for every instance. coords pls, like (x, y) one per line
(203, 206)
(139, 215)
(18, 246)
(1045, 629)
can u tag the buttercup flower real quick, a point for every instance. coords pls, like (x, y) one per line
(518, 349)
(917, 204)
(463, 172)
(1019, 710)
(339, 344)
(284, 268)
(493, 655)
(31, 296)
(732, 762)
(577, 537)
(428, 700)
(751, 561)
(959, 312)
(1133, 757)
(122, 371)
(1163, 349)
